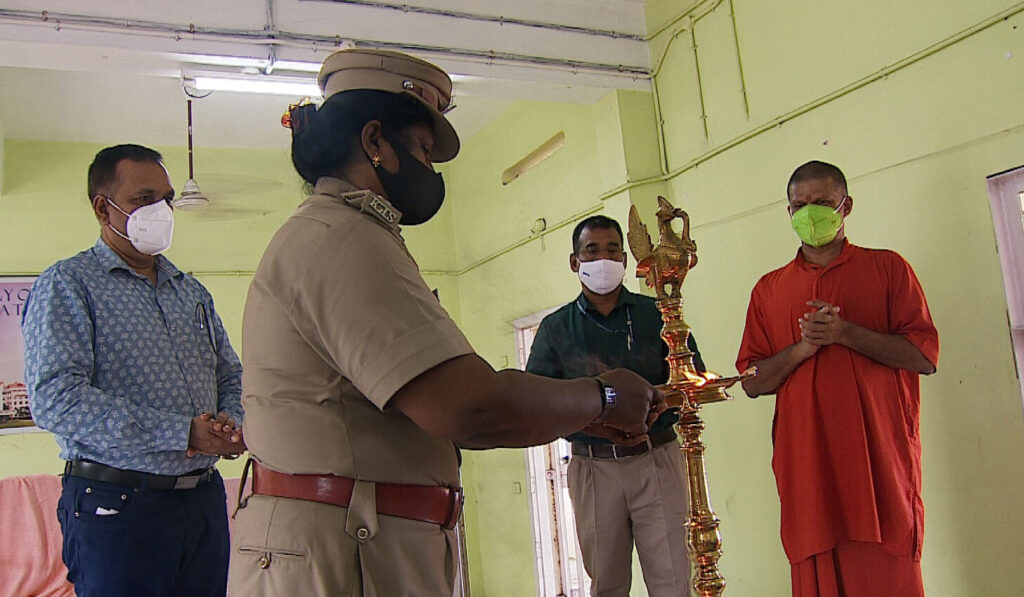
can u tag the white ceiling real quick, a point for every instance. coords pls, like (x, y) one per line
(111, 71)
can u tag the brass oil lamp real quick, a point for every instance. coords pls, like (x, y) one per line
(664, 267)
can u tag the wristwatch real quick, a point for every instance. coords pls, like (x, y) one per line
(609, 398)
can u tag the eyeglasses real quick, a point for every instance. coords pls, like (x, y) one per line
(614, 253)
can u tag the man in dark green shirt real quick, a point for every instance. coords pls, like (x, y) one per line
(620, 494)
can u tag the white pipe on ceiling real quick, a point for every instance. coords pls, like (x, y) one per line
(271, 38)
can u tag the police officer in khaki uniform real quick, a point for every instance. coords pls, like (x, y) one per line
(357, 384)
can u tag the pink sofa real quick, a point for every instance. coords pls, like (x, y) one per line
(30, 539)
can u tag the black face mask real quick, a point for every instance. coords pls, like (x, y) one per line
(416, 190)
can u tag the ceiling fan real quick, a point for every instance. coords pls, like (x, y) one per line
(190, 197)
(228, 197)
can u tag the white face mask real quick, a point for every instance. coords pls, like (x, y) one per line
(150, 227)
(603, 275)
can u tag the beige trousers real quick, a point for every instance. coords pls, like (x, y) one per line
(284, 547)
(641, 499)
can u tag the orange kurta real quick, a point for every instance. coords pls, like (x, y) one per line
(856, 569)
(847, 456)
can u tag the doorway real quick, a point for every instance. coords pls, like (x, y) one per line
(559, 565)
(1006, 195)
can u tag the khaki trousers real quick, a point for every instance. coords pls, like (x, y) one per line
(284, 548)
(641, 499)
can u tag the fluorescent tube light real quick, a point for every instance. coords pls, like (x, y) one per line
(294, 65)
(534, 158)
(297, 88)
(248, 62)
(215, 60)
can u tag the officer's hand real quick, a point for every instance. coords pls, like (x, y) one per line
(634, 402)
(621, 437)
(614, 435)
(655, 412)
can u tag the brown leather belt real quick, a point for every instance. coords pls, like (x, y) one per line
(614, 451)
(426, 503)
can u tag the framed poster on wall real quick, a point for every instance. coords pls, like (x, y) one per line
(14, 412)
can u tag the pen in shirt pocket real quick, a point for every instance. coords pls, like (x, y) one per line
(203, 321)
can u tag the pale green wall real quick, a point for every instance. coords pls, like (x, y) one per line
(45, 216)
(499, 284)
(916, 147)
(490, 217)
(1, 158)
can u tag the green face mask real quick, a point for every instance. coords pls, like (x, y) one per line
(817, 225)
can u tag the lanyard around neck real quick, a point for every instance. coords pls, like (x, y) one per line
(629, 324)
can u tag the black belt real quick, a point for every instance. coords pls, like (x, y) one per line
(614, 451)
(95, 471)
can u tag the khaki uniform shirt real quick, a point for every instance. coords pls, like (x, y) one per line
(337, 320)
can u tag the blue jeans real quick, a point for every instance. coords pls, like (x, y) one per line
(121, 541)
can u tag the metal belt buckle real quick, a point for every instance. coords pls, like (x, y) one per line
(187, 482)
(191, 481)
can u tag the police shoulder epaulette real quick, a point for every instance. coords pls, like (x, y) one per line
(380, 207)
(373, 205)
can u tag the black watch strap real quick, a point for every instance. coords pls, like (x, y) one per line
(609, 398)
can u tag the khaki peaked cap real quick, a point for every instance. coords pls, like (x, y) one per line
(384, 70)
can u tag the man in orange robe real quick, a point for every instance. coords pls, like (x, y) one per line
(840, 335)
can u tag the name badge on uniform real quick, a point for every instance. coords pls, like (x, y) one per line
(383, 210)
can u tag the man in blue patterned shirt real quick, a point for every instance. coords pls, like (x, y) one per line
(128, 364)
